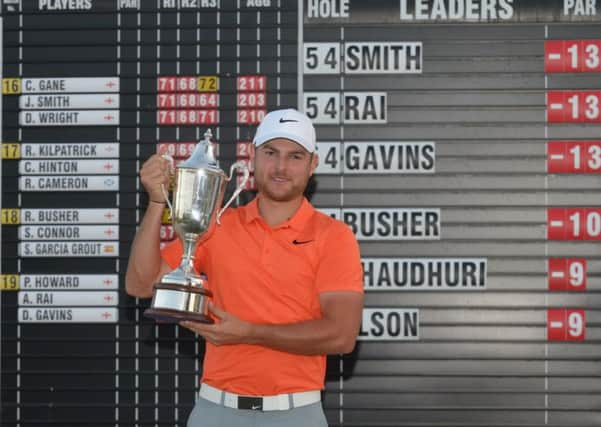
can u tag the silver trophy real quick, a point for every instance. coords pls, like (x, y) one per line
(197, 195)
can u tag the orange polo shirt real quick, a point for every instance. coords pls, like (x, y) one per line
(272, 276)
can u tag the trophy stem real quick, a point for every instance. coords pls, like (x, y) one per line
(187, 263)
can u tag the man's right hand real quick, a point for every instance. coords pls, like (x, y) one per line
(155, 171)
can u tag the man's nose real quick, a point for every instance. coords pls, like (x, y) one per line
(280, 163)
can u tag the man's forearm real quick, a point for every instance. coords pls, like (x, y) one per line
(311, 337)
(145, 256)
(333, 333)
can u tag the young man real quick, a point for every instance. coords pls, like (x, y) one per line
(286, 280)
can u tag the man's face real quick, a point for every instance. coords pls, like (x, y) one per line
(282, 169)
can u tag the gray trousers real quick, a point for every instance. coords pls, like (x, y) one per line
(209, 414)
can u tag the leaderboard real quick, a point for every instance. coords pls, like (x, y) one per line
(91, 89)
(458, 140)
(333, 68)
(460, 143)
(74, 133)
(565, 157)
(61, 167)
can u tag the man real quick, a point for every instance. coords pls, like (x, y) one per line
(286, 280)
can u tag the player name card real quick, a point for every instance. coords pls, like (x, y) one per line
(363, 58)
(574, 223)
(572, 56)
(376, 157)
(390, 224)
(566, 324)
(69, 298)
(69, 183)
(61, 167)
(87, 249)
(105, 150)
(69, 216)
(573, 106)
(424, 274)
(574, 157)
(389, 324)
(68, 232)
(56, 282)
(70, 85)
(69, 118)
(69, 102)
(68, 315)
(346, 107)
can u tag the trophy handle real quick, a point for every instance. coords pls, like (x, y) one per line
(163, 189)
(238, 165)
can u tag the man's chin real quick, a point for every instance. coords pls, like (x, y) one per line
(280, 196)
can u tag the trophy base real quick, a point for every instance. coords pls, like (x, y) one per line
(166, 315)
(173, 303)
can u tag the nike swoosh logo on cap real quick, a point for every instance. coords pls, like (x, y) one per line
(283, 120)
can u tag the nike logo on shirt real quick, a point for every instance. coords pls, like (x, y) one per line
(299, 242)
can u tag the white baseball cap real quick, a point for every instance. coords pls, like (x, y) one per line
(290, 124)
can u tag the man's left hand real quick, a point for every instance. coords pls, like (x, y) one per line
(227, 329)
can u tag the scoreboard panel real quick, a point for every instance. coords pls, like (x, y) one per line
(458, 139)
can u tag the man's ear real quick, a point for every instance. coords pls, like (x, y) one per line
(314, 162)
(251, 151)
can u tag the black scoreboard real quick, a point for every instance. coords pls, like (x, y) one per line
(460, 140)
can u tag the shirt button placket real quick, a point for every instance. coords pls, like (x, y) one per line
(265, 257)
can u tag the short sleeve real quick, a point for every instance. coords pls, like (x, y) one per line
(339, 267)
